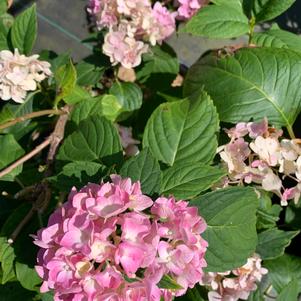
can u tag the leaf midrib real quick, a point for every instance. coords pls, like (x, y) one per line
(258, 89)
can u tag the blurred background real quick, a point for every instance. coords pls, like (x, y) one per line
(64, 23)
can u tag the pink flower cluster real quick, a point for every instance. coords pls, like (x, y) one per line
(133, 25)
(129, 144)
(258, 154)
(111, 242)
(236, 284)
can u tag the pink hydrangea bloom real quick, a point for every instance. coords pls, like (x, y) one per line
(105, 234)
(129, 144)
(164, 20)
(188, 8)
(236, 284)
(123, 49)
(133, 26)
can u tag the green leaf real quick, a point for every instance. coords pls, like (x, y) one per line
(11, 111)
(283, 270)
(110, 107)
(161, 60)
(13, 291)
(27, 276)
(254, 83)
(129, 95)
(8, 142)
(144, 168)
(87, 108)
(218, 21)
(88, 74)
(169, 283)
(265, 10)
(7, 258)
(267, 213)
(24, 30)
(65, 77)
(78, 94)
(277, 38)
(183, 131)
(3, 6)
(272, 242)
(230, 215)
(256, 296)
(77, 174)
(96, 138)
(187, 180)
(192, 294)
(289, 292)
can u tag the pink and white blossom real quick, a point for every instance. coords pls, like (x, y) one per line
(104, 234)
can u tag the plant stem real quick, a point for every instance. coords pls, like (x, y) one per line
(30, 116)
(291, 132)
(252, 23)
(28, 156)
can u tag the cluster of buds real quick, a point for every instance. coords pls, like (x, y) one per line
(236, 284)
(111, 242)
(258, 154)
(133, 25)
(20, 74)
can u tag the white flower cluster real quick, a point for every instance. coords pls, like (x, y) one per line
(259, 154)
(20, 74)
(236, 284)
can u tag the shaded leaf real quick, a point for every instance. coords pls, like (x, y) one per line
(272, 242)
(8, 142)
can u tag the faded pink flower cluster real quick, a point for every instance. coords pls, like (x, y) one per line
(111, 242)
(258, 154)
(236, 284)
(135, 24)
(20, 74)
(129, 144)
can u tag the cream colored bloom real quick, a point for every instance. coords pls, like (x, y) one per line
(20, 74)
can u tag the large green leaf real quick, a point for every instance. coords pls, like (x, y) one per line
(77, 174)
(7, 258)
(65, 77)
(129, 95)
(13, 291)
(96, 138)
(254, 83)
(86, 108)
(24, 30)
(283, 270)
(264, 10)
(27, 276)
(10, 151)
(277, 38)
(231, 232)
(289, 292)
(186, 180)
(144, 168)
(219, 21)
(183, 131)
(272, 242)
(161, 60)
(88, 74)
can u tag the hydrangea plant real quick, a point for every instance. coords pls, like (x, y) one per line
(128, 176)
